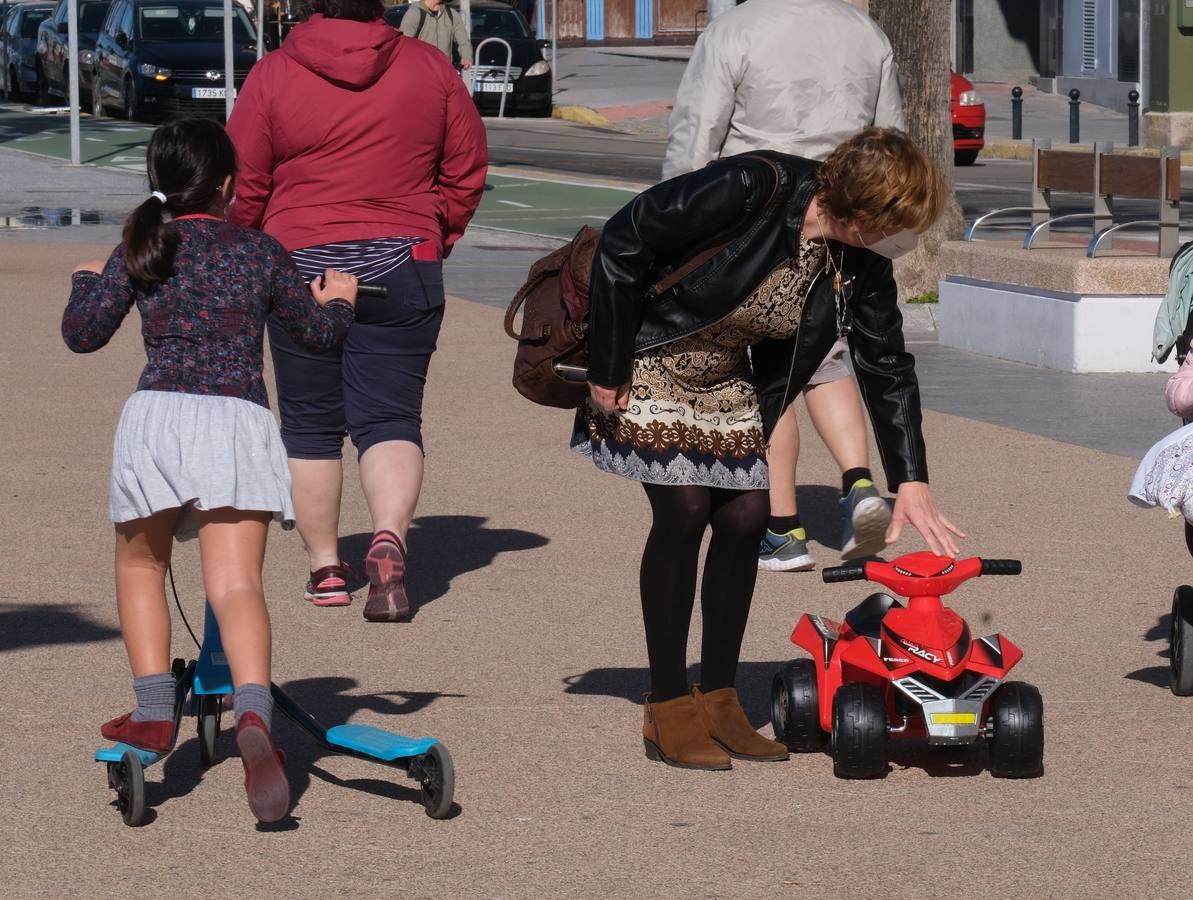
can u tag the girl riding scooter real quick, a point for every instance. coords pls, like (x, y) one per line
(197, 450)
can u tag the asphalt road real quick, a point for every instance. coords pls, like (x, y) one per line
(577, 149)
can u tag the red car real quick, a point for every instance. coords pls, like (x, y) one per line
(969, 121)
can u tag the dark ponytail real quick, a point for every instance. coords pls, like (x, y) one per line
(187, 161)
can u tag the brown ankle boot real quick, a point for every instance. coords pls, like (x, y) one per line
(727, 725)
(674, 733)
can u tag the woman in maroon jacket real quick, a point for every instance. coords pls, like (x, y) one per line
(361, 146)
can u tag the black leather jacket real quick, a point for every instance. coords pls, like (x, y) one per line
(755, 202)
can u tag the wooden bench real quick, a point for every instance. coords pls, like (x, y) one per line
(1103, 176)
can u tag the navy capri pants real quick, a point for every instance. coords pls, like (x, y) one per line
(371, 388)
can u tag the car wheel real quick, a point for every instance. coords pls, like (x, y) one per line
(13, 84)
(97, 100)
(128, 100)
(43, 88)
(965, 157)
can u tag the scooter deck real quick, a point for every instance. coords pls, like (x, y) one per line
(383, 745)
(116, 752)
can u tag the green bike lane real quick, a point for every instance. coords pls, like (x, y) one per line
(539, 204)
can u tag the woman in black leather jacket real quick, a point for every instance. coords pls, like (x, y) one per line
(714, 297)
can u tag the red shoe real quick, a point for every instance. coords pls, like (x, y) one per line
(156, 737)
(264, 778)
(385, 564)
(329, 586)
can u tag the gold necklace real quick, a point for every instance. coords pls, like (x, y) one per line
(831, 266)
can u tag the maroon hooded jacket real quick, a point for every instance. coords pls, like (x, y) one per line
(353, 131)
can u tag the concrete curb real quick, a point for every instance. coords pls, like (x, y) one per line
(584, 115)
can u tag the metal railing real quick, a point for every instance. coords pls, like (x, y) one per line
(505, 83)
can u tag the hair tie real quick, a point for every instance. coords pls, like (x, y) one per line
(160, 196)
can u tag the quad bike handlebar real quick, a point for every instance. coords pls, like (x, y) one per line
(921, 573)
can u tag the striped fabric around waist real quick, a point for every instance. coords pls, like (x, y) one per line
(370, 261)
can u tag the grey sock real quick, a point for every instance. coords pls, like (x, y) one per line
(155, 698)
(254, 698)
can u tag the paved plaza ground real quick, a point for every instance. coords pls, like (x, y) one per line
(526, 655)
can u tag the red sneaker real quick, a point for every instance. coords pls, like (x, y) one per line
(156, 736)
(385, 564)
(329, 586)
(264, 778)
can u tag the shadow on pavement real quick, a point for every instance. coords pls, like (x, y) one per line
(431, 568)
(753, 685)
(329, 701)
(30, 625)
(820, 513)
(1156, 675)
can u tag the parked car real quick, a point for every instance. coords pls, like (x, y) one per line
(18, 48)
(157, 58)
(969, 121)
(528, 90)
(53, 52)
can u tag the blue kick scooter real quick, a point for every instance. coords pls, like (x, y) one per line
(202, 686)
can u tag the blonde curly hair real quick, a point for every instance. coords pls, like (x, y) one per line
(880, 176)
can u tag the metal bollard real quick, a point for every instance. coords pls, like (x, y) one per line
(1074, 116)
(1132, 118)
(1017, 113)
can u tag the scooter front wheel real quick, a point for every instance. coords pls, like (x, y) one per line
(437, 775)
(1181, 642)
(209, 726)
(128, 778)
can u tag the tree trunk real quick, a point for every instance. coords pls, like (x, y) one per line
(919, 31)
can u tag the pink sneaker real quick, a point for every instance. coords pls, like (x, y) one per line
(385, 564)
(329, 586)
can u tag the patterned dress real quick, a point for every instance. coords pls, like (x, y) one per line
(693, 415)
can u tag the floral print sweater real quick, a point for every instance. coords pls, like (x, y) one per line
(203, 328)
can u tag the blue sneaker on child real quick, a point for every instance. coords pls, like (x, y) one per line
(785, 552)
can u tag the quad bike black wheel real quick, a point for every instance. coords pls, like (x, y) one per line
(1017, 735)
(127, 777)
(795, 707)
(1180, 642)
(859, 731)
(437, 775)
(210, 706)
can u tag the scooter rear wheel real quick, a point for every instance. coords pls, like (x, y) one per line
(437, 774)
(859, 731)
(1181, 642)
(795, 707)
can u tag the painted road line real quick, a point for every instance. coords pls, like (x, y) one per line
(514, 203)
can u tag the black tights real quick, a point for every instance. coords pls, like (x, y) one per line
(668, 581)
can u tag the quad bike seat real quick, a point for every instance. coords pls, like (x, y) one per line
(866, 618)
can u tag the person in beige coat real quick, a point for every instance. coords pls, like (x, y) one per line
(800, 77)
(433, 22)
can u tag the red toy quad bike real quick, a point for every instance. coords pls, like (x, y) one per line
(892, 671)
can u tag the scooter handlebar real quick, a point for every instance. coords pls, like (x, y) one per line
(851, 572)
(1001, 567)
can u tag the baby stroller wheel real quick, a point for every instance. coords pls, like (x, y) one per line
(209, 726)
(128, 778)
(1181, 642)
(434, 770)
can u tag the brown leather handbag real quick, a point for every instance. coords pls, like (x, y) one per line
(551, 363)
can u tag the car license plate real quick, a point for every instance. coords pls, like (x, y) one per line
(496, 87)
(207, 93)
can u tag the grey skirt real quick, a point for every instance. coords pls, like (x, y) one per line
(192, 451)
